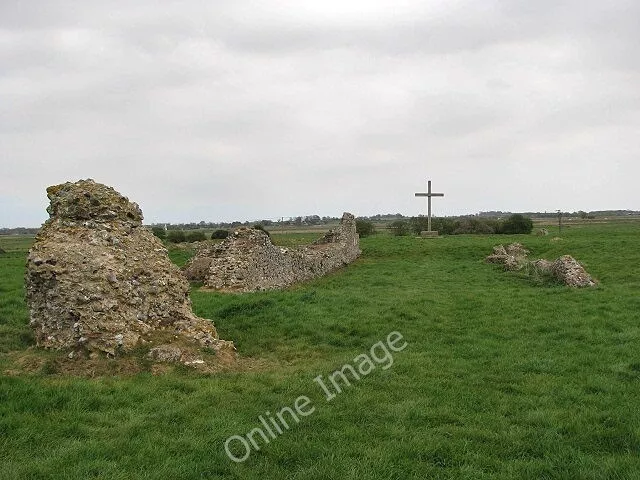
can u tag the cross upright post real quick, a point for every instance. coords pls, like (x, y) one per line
(429, 194)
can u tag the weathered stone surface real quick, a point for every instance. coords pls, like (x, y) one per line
(517, 250)
(197, 269)
(568, 270)
(498, 252)
(247, 261)
(165, 353)
(513, 257)
(542, 266)
(97, 280)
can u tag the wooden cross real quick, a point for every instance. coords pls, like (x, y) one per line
(429, 194)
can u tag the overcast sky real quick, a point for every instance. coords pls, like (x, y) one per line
(223, 110)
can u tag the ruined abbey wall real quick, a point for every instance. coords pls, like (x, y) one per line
(247, 261)
(98, 281)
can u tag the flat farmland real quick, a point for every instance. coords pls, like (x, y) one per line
(502, 376)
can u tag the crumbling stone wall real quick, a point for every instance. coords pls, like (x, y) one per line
(247, 261)
(513, 257)
(565, 269)
(98, 281)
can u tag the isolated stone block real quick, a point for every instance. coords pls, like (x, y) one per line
(97, 280)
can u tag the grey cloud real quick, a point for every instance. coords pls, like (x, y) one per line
(223, 110)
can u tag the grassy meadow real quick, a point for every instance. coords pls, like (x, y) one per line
(503, 377)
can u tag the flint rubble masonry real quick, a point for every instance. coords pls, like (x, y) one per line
(565, 269)
(98, 281)
(247, 261)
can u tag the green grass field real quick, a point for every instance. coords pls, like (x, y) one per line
(503, 377)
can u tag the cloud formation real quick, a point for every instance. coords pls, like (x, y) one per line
(245, 110)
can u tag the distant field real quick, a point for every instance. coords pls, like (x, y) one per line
(16, 243)
(502, 378)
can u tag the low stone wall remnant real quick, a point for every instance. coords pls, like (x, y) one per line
(513, 257)
(247, 261)
(566, 269)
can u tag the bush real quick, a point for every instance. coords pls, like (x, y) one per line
(474, 225)
(399, 228)
(220, 234)
(259, 226)
(196, 236)
(418, 224)
(451, 226)
(515, 224)
(445, 226)
(365, 228)
(176, 236)
(159, 232)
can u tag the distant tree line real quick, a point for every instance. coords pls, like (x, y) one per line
(19, 231)
(308, 220)
(294, 221)
(514, 224)
(180, 236)
(579, 214)
(386, 218)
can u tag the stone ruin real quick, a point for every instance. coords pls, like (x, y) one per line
(565, 269)
(513, 257)
(97, 281)
(247, 261)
